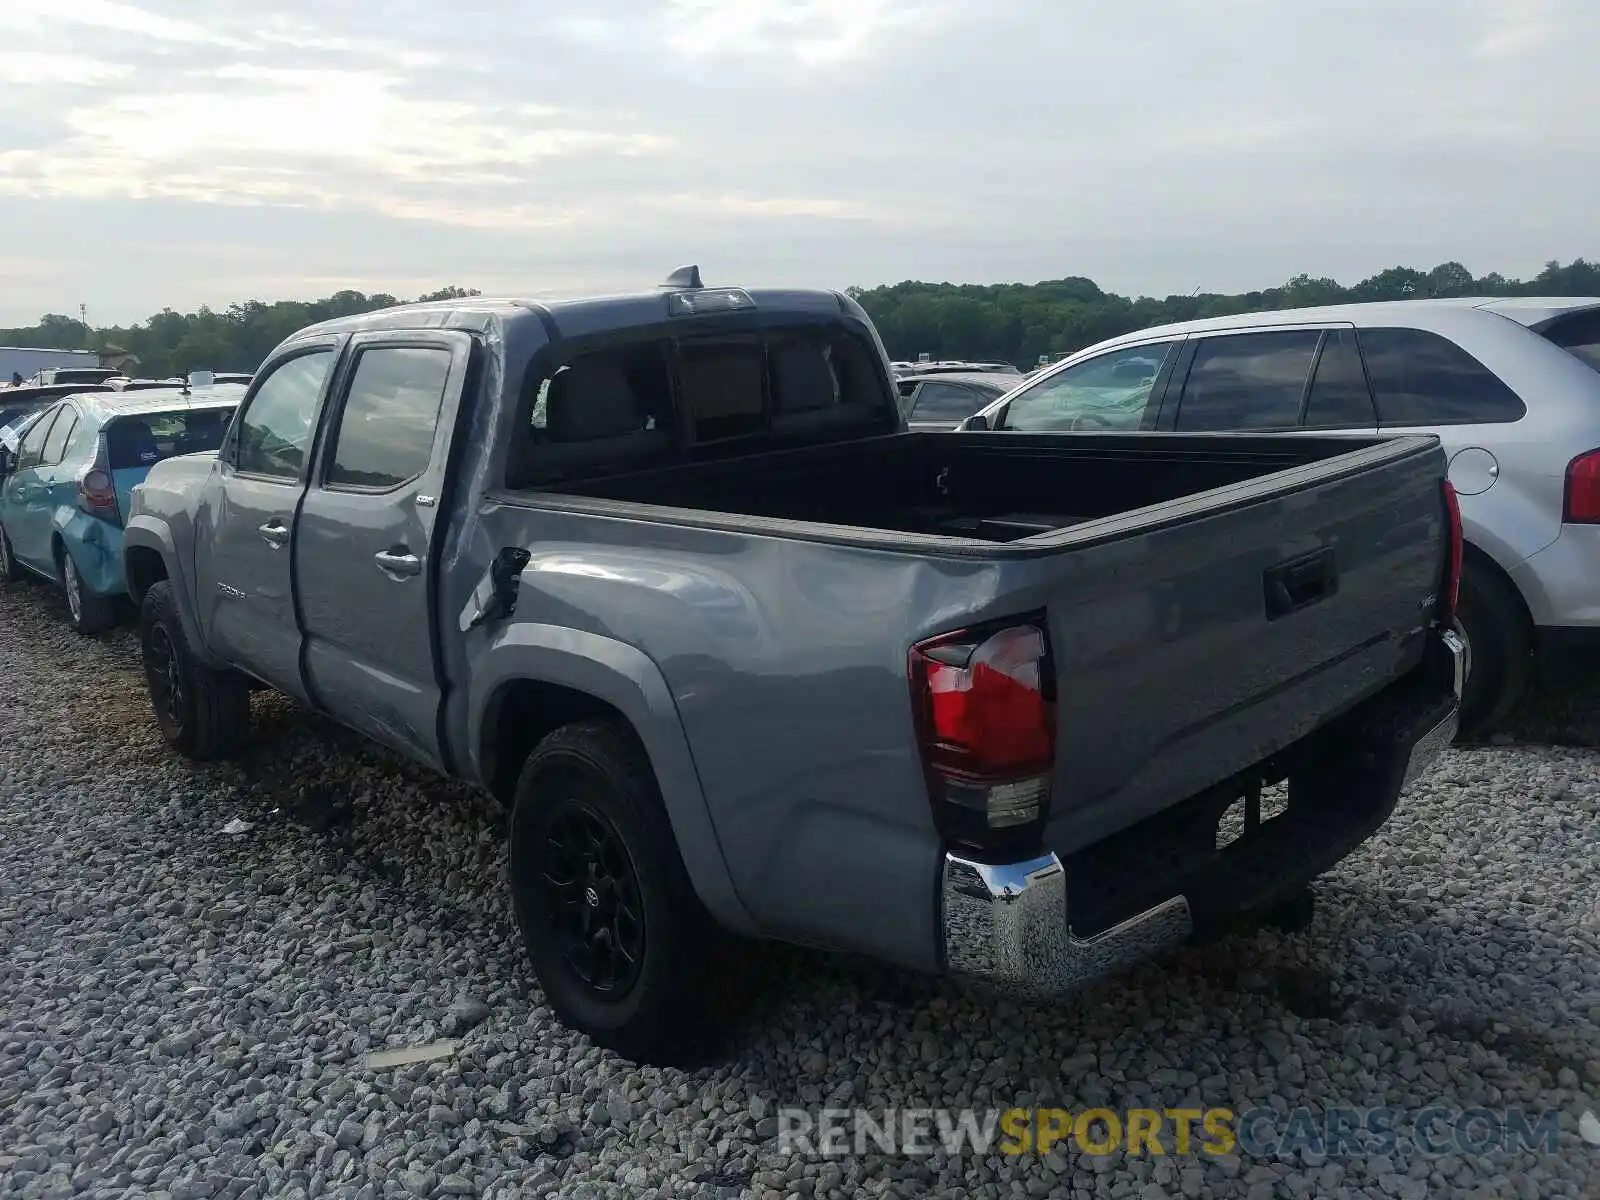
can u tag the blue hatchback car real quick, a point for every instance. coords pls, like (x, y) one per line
(64, 489)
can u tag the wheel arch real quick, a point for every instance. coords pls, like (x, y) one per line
(149, 556)
(540, 678)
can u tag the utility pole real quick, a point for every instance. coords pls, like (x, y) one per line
(83, 315)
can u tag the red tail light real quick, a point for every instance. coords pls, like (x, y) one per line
(986, 721)
(1582, 506)
(1450, 592)
(97, 494)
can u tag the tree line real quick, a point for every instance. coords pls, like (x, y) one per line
(1011, 322)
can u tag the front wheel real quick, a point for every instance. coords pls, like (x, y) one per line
(204, 714)
(615, 931)
(89, 613)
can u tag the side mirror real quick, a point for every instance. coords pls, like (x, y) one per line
(976, 423)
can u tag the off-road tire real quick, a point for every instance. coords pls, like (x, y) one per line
(600, 769)
(211, 716)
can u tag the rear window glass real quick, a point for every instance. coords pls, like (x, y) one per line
(641, 404)
(948, 402)
(148, 438)
(1579, 335)
(1421, 378)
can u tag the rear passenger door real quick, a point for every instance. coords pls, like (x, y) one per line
(367, 541)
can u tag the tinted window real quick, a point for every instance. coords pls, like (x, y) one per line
(1111, 391)
(1420, 378)
(1339, 396)
(387, 427)
(1579, 334)
(1249, 381)
(148, 438)
(29, 452)
(275, 431)
(947, 402)
(56, 444)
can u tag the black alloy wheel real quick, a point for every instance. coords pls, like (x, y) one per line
(164, 673)
(591, 890)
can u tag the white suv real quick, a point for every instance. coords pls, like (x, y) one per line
(1510, 386)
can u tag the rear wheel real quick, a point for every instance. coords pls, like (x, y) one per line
(1500, 639)
(203, 713)
(616, 933)
(89, 613)
(10, 571)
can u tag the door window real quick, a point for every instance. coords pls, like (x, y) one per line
(55, 445)
(387, 428)
(275, 430)
(1248, 381)
(946, 402)
(31, 452)
(1420, 378)
(1110, 391)
(1339, 398)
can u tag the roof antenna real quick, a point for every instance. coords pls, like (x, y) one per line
(684, 277)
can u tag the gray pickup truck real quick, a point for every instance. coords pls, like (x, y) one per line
(668, 574)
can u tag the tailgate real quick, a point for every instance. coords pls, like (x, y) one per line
(1188, 651)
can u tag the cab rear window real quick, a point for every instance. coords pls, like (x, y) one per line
(148, 438)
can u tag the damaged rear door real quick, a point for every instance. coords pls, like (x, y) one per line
(366, 557)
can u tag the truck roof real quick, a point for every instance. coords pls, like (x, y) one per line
(571, 316)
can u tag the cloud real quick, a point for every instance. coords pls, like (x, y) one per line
(1151, 144)
(39, 16)
(814, 32)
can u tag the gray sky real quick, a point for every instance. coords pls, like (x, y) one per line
(180, 152)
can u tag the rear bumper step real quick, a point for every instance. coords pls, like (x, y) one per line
(1043, 927)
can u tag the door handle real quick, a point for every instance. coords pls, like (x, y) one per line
(1300, 582)
(274, 533)
(398, 563)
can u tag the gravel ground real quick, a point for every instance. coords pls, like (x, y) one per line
(184, 1012)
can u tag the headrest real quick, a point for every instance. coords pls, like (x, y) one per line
(802, 380)
(591, 400)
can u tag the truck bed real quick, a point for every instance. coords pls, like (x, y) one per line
(972, 486)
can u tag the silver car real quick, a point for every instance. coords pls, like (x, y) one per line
(1510, 386)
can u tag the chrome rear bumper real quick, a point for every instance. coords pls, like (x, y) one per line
(1008, 924)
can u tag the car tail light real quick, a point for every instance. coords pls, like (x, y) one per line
(97, 494)
(985, 714)
(1582, 505)
(1450, 592)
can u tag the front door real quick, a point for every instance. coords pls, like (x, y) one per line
(365, 550)
(245, 526)
(26, 512)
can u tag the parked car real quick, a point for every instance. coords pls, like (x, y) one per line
(942, 400)
(668, 574)
(18, 401)
(67, 483)
(73, 375)
(1510, 386)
